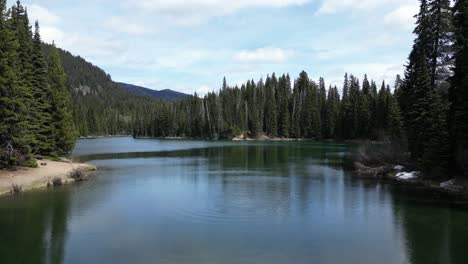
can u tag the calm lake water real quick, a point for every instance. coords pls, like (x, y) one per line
(156, 201)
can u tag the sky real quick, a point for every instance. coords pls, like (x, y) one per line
(189, 45)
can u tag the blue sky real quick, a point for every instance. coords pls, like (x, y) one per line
(189, 45)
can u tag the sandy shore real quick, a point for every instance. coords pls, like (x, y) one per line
(33, 178)
(264, 138)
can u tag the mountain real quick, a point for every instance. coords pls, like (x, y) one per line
(163, 94)
(100, 105)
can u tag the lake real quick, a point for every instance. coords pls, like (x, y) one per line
(163, 201)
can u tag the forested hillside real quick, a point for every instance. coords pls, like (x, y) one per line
(101, 106)
(166, 94)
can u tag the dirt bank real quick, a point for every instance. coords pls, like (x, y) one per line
(245, 137)
(33, 178)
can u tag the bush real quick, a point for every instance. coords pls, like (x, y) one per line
(57, 181)
(29, 162)
(16, 189)
(381, 153)
(78, 175)
(11, 157)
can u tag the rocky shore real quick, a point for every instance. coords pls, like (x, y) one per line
(404, 175)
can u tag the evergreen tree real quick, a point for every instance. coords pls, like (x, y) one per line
(41, 110)
(332, 113)
(459, 89)
(442, 38)
(394, 122)
(62, 118)
(346, 119)
(14, 139)
(322, 105)
(284, 88)
(271, 118)
(425, 121)
(382, 108)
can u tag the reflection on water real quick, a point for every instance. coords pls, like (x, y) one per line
(222, 202)
(33, 228)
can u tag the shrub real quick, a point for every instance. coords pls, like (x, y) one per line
(30, 163)
(381, 153)
(78, 175)
(16, 188)
(57, 181)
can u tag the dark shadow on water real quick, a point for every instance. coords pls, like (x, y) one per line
(274, 156)
(34, 227)
(435, 230)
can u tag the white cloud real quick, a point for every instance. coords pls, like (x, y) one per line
(272, 55)
(47, 22)
(97, 48)
(50, 34)
(182, 58)
(203, 90)
(45, 17)
(336, 50)
(335, 6)
(402, 16)
(121, 25)
(195, 11)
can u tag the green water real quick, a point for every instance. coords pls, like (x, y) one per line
(156, 201)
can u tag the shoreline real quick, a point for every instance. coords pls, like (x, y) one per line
(108, 136)
(234, 139)
(43, 176)
(454, 187)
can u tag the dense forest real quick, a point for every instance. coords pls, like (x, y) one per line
(274, 108)
(35, 110)
(426, 108)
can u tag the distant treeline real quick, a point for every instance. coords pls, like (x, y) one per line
(35, 111)
(277, 108)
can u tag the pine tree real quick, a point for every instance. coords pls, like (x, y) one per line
(14, 139)
(322, 105)
(62, 119)
(442, 38)
(332, 113)
(394, 122)
(425, 119)
(298, 101)
(271, 117)
(459, 89)
(346, 119)
(382, 108)
(24, 35)
(41, 110)
(284, 88)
